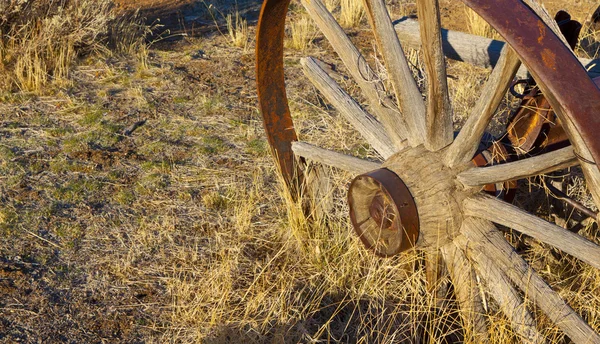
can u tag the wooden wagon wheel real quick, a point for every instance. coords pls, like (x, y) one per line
(427, 194)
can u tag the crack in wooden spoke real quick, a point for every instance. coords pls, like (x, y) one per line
(466, 291)
(505, 295)
(495, 210)
(484, 236)
(438, 121)
(334, 159)
(407, 92)
(464, 147)
(367, 125)
(373, 89)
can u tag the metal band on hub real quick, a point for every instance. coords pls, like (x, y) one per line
(383, 212)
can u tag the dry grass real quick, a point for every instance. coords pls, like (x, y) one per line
(332, 4)
(237, 29)
(302, 33)
(352, 13)
(180, 231)
(42, 40)
(478, 26)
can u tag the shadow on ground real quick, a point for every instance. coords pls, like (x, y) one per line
(193, 17)
(341, 320)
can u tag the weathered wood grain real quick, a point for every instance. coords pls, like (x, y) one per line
(332, 158)
(485, 238)
(541, 164)
(464, 147)
(467, 292)
(367, 125)
(495, 210)
(476, 50)
(380, 103)
(503, 292)
(438, 121)
(407, 92)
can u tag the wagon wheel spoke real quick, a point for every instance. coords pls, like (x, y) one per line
(411, 200)
(503, 292)
(373, 89)
(405, 87)
(495, 210)
(331, 158)
(438, 121)
(466, 291)
(371, 129)
(467, 141)
(434, 275)
(487, 239)
(541, 164)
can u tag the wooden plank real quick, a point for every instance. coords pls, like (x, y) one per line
(334, 159)
(368, 126)
(541, 164)
(465, 146)
(438, 121)
(407, 92)
(370, 84)
(476, 50)
(495, 210)
(484, 236)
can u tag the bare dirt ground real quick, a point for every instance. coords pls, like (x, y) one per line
(141, 204)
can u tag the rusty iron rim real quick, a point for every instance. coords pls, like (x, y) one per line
(552, 63)
(405, 222)
(272, 97)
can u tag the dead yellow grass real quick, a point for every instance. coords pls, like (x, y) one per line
(42, 40)
(351, 13)
(478, 26)
(302, 33)
(237, 29)
(181, 232)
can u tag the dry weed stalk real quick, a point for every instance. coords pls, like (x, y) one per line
(237, 29)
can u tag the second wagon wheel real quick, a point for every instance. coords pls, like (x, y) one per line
(427, 194)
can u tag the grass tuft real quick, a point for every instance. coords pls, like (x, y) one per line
(351, 13)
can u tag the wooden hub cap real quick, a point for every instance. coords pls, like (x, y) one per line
(383, 212)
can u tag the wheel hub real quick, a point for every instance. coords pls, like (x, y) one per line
(414, 201)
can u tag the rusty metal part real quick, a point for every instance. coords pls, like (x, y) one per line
(493, 155)
(571, 91)
(271, 91)
(383, 212)
(535, 127)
